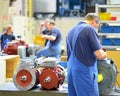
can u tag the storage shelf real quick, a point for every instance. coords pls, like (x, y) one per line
(111, 47)
(108, 6)
(110, 22)
(109, 34)
(97, 7)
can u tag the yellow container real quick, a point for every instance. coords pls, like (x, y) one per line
(39, 40)
(105, 16)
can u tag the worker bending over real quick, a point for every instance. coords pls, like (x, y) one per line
(83, 50)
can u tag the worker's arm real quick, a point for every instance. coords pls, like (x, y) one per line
(49, 37)
(41, 28)
(100, 54)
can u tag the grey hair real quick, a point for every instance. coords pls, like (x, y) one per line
(92, 16)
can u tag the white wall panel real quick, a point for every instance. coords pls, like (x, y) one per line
(2, 71)
(20, 26)
(25, 27)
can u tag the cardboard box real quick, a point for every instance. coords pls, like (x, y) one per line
(12, 62)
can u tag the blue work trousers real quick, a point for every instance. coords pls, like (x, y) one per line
(48, 52)
(82, 79)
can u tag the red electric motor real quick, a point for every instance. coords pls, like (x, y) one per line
(51, 78)
(26, 76)
(11, 48)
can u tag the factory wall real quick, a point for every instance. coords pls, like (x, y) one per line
(29, 27)
(4, 6)
(65, 24)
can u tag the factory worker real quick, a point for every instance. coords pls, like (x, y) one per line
(83, 50)
(54, 39)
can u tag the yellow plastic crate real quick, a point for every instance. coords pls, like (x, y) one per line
(39, 40)
(105, 16)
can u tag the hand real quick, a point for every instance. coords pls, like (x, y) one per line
(105, 58)
(44, 36)
(42, 24)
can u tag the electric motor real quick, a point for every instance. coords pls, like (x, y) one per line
(108, 71)
(26, 76)
(11, 48)
(52, 77)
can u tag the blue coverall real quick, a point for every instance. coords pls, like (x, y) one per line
(82, 41)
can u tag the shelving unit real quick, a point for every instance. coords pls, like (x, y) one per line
(110, 34)
(111, 23)
(97, 7)
(113, 51)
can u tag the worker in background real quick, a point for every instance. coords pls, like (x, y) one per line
(7, 36)
(44, 28)
(83, 50)
(53, 46)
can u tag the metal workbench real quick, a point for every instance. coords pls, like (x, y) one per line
(9, 89)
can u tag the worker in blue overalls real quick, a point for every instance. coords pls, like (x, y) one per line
(83, 50)
(7, 37)
(54, 40)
